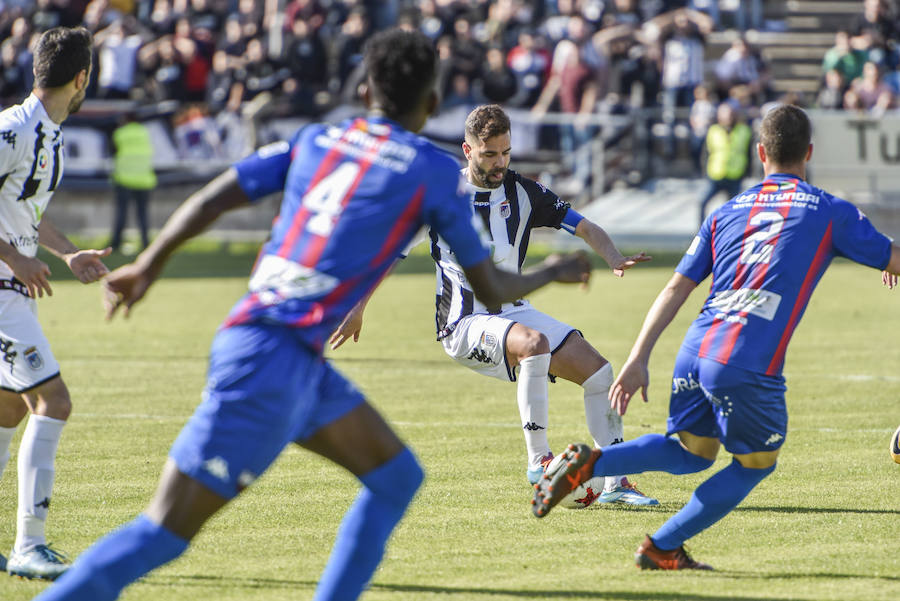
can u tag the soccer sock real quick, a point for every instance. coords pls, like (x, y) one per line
(115, 561)
(712, 501)
(359, 547)
(649, 453)
(604, 424)
(6, 436)
(534, 405)
(37, 453)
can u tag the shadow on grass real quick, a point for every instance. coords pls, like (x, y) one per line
(817, 510)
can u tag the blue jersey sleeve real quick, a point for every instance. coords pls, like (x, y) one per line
(853, 236)
(448, 212)
(697, 262)
(265, 171)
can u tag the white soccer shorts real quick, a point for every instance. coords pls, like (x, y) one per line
(25, 357)
(479, 341)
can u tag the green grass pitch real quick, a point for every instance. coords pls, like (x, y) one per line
(824, 526)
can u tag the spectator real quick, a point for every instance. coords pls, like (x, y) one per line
(196, 135)
(740, 65)
(497, 83)
(873, 94)
(876, 30)
(703, 114)
(831, 95)
(843, 57)
(348, 46)
(165, 72)
(683, 40)
(119, 45)
(133, 176)
(530, 63)
(430, 23)
(308, 11)
(728, 143)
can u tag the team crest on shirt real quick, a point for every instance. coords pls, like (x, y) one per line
(505, 210)
(42, 167)
(33, 358)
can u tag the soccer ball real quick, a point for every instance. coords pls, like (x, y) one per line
(895, 446)
(583, 496)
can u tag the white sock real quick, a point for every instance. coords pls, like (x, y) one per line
(6, 436)
(534, 406)
(604, 424)
(36, 456)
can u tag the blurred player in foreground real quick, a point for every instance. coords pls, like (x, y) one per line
(31, 167)
(515, 342)
(354, 195)
(766, 250)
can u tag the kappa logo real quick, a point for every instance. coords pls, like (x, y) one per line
(45, 503)
(218, 467)
(480, 356)
(34, 359)
(774, 439)
(533, 426)
(9, 355)
(9, 137)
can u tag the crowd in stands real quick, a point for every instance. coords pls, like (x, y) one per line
(571, 56)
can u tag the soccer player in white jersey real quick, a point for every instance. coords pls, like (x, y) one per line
(31, 167)
(515, 342)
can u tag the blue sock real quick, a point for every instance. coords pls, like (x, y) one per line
(115, 561)
(649, 453)
(367, 525)
(712, 501)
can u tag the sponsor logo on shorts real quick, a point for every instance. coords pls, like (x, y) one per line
(488, 340)
(683, 384)
(774, 439)
(34, 359)
(218, 467)
(480, 356)
(9, 355)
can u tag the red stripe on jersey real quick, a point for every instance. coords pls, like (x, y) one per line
(317, 243)
(708, 337)
(741, 270)
(402, 225)
(802, 298)
(300, 219)
(242, 312)
(712, 245)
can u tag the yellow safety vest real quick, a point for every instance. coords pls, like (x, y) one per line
(728, 151)
(133, 166)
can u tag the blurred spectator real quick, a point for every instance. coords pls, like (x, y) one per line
(460, 93)
(165, 72)
(196, 135)
(728, 143)
(47, 14)
(348, 47)
(430, 23)
(530, 63)
(12, 75)
(308, 11)
(703, 114)
(848, 61)
(683, 40)
(133, 176)
(117, 57)
(204, 16)
(162, 20)
(235, 132)
(869, 92)
(623, 12)
(306, 62)
(876, 30)
(831, 95)
(468, 53)
(233, 41)
(740, 65)
(497, 83)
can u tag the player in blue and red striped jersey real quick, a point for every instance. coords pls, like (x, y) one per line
(766, 250)
(354, 195)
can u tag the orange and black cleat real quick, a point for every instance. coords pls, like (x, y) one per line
(566, 472)
(650, 557)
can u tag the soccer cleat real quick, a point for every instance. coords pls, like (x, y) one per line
(627, 494)
(566, 472)
(534, 473)
(39, 562)
(650, 557)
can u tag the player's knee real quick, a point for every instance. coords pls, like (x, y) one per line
(692, 464)
(398, 480)
(533, 343)
(600, 381)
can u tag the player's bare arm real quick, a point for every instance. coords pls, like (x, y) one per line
(494, 286)
(86, 265)
(890, 273)
(352, 324)
(31, 271)
(634, 374)
(597, 238)
(128, 284)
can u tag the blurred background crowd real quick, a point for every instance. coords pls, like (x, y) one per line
(218, 65)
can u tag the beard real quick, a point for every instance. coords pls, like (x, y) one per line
(483, 178)
(76, 102)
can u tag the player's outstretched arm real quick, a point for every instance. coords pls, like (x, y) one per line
(86, 265)
(128, 284)
(597, 238)
(494, 286)
(634, 374)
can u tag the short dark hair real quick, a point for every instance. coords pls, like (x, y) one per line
(785, 133)
(402, 66)
(61, 53)
(486, 121)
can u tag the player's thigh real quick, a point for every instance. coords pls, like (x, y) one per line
(26, 360)
(478, 342)
(12, 409)
(261, 391)
(50, 398)
(576, 360)
(523, 342)
(749, 408)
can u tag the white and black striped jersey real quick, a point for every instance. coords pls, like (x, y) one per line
(31, 167)
(508, 213)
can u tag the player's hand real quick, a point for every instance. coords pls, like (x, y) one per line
(634, 375)
(124, 287)
(349, 328)
(86, 264)
(572, 268)
(888, 279)
(629, 262)
(32, 272)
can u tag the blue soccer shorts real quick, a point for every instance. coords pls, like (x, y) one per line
(745, 410)
(264, 390)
